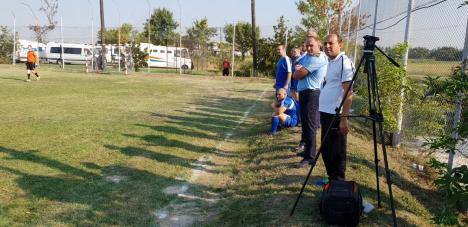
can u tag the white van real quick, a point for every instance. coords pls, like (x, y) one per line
(167, 57)
(22, 52)
(73, 53)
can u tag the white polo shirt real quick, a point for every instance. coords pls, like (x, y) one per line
(340, 70)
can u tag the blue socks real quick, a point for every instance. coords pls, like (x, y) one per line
(275, 122)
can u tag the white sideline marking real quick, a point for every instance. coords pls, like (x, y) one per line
(240, 122)
(173, 218)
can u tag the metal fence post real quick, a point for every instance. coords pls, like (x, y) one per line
(458, 100)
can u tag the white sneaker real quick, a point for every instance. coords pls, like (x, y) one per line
(38, 78)
(367, 206)
(28, 80)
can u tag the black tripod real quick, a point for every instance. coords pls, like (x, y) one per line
(375, 114)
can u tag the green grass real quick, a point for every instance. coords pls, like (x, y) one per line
(63, 137)
(420, 69)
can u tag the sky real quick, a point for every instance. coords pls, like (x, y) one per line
(440, 25)
(218, 12)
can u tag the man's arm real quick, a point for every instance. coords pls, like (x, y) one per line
(346, 106)
(300, 72)
(289, 75)
(288, 80)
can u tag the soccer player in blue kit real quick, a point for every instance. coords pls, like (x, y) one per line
(285, 113)
(283, 70)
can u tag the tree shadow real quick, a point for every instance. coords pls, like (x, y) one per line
(163, 158)
(157, 140)
(115, 195)
(179, 131)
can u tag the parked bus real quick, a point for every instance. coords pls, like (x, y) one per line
(22, 52)
(72, 53)
(167, 57)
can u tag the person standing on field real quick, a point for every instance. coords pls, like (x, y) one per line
(226, 66)
(31, 62)
(336, 88)
(283, 70)
(310, 71)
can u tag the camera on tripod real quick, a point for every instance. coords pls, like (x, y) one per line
(369, 42)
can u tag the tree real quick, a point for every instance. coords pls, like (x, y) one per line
(49, 8)
(267, 56)
(112, 35)
(446, 54)
(162, 27)
(419, 53)
(316, 14)
(281, 30)
(6, 45)
(243, 35)
(200, 33)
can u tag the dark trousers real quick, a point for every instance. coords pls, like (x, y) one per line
(333, 148)
(309, 103)
(226, 72)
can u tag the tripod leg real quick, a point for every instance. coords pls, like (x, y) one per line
(376, 162)
(305, 183)
(388, 175)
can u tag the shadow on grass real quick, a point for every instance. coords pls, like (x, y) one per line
(265, 190)
(128, 201)
(163, 158)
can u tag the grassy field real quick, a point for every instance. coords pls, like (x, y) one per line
(148, 150)
(420, 69)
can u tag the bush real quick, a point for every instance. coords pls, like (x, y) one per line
(245, 70)
(139, 58)
(391, 80)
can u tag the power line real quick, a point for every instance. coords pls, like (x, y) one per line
(414, 10)
(422, 6)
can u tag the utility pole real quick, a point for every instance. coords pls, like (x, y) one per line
(254, 40)
(233, 49)
(103, 38)
(375, 17)
(13, 57)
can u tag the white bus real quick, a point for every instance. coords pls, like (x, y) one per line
(73, 53)
(167, 57)
(22, 52)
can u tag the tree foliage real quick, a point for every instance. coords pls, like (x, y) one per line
(447, 54)
(453, 182)
(267, 56)
(243, 35)
(162, 27)
(199, 34)
(112, 35)
(50, 9)
(419, 53)
(317, 14)
(6, 45)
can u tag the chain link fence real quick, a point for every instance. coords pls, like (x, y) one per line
(436, 36)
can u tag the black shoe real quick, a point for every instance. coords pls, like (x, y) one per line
(301, 154)
(304, 162)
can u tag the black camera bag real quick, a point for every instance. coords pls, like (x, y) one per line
(341, 203)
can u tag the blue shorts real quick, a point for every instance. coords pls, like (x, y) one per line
(290, 122)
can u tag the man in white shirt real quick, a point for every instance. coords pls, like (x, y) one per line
(337, 81)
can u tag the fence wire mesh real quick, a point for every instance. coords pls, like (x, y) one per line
(436, 37)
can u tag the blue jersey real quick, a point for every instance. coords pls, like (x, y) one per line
(293, 81)
(317, 68)
(291, 107)
(283, 67)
